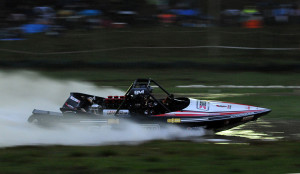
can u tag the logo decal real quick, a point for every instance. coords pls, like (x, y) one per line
(109, 112)
(221, 106)
(139, 92)
(74, 99)
(202, 105)
(224, 106)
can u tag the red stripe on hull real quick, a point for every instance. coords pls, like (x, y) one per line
(201, 114)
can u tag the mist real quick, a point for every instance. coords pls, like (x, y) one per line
(23, 91)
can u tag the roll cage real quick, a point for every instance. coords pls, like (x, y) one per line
(142, 87)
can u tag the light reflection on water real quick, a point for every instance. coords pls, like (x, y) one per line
(254, 131)
(260, 130)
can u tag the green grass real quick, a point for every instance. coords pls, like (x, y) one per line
(159, 37)
(155, 157)
(173, 77)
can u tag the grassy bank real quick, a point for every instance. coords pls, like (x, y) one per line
(155, 157)
(158, 47)
(173, 77)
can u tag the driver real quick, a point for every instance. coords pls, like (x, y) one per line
(87, 102)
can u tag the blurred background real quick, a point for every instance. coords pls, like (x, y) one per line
(174, 39)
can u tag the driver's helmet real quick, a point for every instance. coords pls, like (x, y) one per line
(90, 100)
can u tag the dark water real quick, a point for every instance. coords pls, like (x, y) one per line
(260, 130)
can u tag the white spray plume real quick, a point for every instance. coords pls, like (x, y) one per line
(23, 91)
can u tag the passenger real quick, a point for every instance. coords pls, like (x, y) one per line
(168, 100)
